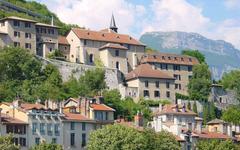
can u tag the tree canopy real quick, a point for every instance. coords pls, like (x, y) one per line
(195, 53)
(232, 114)
(47, 146)
(6, 143)
(119, 137)
(216, 145)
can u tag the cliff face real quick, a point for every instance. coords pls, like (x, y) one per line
(220, 55)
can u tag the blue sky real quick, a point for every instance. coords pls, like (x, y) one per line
(216, 19)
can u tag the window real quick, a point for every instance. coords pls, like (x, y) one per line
(22, 141)
(72, 125)
(145, 93)
(15, 140)
(49, 31)
(164, 66)
(180, 86)
(37, 141)
(72, 139)
(28, 45)
(106, 115)
(83, 126)
(98, 115)
(37, 30)
(189, 77)
(56, 129)
(156, 94)
(85, 42)
(42, 128)
(34, 128)
(167, 85)
(16, 34)
(176, 67)
(189, 68)
(117, 65)
(27, 25)
(49, 129)
(91, 58)
(176, 86)
(146, 83)
(52, 31)
(28, 35)
(168, 94)
(116, 52)
(16, 23)
(83, 140)
(157, 84)
(54, 140)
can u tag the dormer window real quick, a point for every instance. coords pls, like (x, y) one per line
(182, 59)
(163, 57)
(169, 58)
(175, 58)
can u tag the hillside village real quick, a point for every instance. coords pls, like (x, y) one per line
(160, 88)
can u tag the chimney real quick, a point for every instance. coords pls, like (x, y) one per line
(229, 130)
(85, 104)
(138, 119)
(46, 104)
(16, 103)
(199, 126)
(38, 101)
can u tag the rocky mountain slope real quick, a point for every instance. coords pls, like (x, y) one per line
(220, 55)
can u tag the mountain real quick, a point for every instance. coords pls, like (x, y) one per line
(221, 56)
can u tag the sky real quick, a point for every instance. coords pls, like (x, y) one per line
(215, 19)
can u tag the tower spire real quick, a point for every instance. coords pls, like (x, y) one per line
(113, 24)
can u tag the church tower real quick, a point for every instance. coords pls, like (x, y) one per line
(113, 24)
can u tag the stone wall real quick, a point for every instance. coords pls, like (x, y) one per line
(112, 76)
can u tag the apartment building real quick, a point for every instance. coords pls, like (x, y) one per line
(177, 66)
(184, 124)
(149, 83)
(39, 38)
(35, 123)
(88, 46)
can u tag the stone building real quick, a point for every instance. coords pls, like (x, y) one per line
(64, 47)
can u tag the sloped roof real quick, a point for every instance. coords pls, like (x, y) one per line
(28, 106)
(216, 121)
(145, 70)
(174, 109)
(62, 40)
(105, 36)
(101, 107)
(76, 117)
(113, 46)
(212, 135)
(18, 18)
(169, 59)
(10, 120)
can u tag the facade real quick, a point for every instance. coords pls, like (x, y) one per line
(146, 82)
(64, 47)
(39, 38)
(87, 46)
(177, 66)
(32, 124)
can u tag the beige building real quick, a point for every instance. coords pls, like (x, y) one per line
(86, 46)
(64, 47)
(177, 66)
(146, 82)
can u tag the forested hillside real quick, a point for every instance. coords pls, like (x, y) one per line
(41, 9)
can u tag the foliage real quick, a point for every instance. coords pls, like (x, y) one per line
(153, 103)
(6, 143)
(116, 137)
(21, 75)
(216, 145)
(98, 63)
(199, 85)
(231, 81)
(209, 112)
(181, 96)
(195, 53)
(55, 54)
(232, 114)
(189, 106)
(119, 137)
(195, 107)
(46, 146)
(149, 50)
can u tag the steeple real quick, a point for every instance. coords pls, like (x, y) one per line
(113, 24)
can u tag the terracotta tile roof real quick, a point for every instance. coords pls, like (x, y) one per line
(169, 59)
(212, 135)
(76, 117)
(18, 18)
(172, 109)
(101, 107)
(105, 36)
(10, 120)
(107, 30)
(114, 46)
(146, 71)
(129, 124)
(216, 121)
(62, 40)
(178, 138)
(28, 106)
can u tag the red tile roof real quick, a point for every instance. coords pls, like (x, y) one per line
(10, 120)
(212, 135)
(172, 109)
(28, 106)
(146, 71)
(76, 117)
(105, 36)
(101, 107)
(113, 46)
(62, 40)
(169, 59)
(178, 138)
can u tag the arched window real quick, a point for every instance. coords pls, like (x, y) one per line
(91, 58)
(117, 65)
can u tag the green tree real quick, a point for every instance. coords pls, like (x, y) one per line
(232, 114)
(195, 53)
(231, 81)
(189, 105)
(195, 107)
(116, 137)
(71, 88)
(47, 146)
(199, 85)
(216, 145)
(6, 143)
